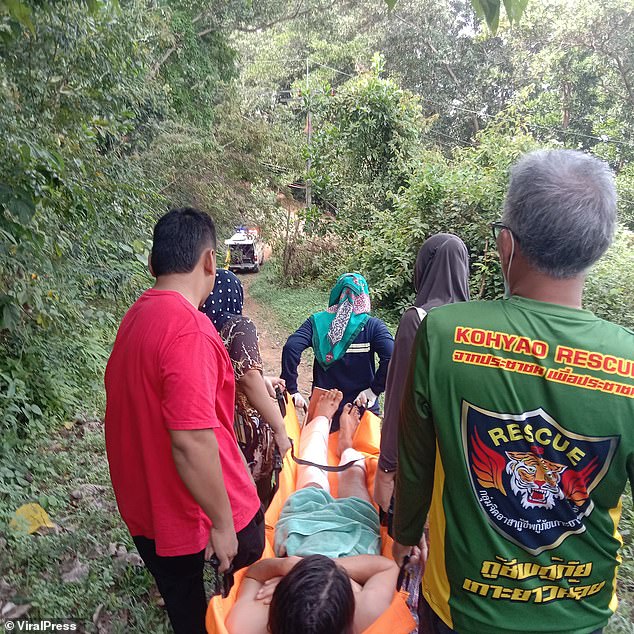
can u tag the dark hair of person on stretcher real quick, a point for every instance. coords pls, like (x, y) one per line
(315, 597)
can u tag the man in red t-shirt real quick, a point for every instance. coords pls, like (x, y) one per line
(180, 480)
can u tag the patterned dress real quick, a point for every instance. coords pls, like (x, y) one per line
(254, 434)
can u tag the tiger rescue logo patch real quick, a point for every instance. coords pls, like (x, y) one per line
(531, 477)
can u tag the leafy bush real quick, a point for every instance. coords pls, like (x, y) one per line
(610, 286)
(462, 194)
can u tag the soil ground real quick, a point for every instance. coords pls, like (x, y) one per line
(272, 338)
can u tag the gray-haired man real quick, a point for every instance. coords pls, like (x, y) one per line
(517, 425)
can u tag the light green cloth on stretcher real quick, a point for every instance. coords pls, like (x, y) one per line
(312, 522)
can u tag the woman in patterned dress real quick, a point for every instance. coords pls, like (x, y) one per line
(258, 423)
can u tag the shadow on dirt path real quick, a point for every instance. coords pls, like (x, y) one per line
(272, 338)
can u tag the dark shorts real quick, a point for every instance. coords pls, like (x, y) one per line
(180, 579)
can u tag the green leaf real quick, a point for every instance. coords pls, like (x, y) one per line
(10, 317)
(515, 9)
(93, 6)
(490, 11)
(23, 208)
(19, 12)
(391, 4)
(6, 193)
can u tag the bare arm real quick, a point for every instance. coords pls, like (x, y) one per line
(361, 568)
(253, 385)
(378, 577)
(301, 339)
(197, 461)
(266, 569)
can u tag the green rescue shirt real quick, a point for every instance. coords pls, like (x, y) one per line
(517, 436)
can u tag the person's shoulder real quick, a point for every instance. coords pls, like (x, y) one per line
(453, 313)
(182, 320)
(410, 317)
(617, 329)
(376, 323)
(238, 324)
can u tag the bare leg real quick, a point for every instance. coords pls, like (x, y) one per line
(313, 442)
(351, 481)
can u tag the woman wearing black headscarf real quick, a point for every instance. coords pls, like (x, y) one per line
(258, 423)
(441, 276)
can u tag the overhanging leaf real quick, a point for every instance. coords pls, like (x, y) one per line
(10, 317)
(515, 9)
(391, 4)
(490, 11)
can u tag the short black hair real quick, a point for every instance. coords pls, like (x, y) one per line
(180, 236)
(315, 597)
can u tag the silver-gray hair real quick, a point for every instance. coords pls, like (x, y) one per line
(561, 207)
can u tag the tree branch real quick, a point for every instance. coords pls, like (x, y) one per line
(286, 18)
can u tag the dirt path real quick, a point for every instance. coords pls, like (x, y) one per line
(272, 338)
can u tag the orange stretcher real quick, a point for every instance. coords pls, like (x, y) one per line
(397, 619)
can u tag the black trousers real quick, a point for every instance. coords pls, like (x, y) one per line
(430, 623)
(180, 579)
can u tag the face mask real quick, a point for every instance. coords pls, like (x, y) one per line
(507, 288)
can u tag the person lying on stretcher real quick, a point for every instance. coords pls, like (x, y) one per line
(328, 577)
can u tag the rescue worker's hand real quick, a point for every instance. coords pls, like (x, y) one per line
(224, 544)
(367, 398)
(384, 488)
(418, 556)
(300, 401)
(399, 552)
(272, 382)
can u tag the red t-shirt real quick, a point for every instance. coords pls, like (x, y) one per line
(169, 370)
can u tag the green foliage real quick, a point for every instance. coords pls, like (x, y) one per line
(69, 122)
(625, 188)
(363, 138)
(461, 195)
(88, 531)
(490, 11)
(98, 139)
(199, 72)
(611, 280)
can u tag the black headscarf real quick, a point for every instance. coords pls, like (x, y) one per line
(441, 273)
(225, 300)
(441, 276)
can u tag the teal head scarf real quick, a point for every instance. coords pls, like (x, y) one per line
(336, 328)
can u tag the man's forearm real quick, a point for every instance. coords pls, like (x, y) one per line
(416, 457)
(197, 461)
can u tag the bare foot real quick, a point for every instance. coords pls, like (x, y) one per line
(328, 404)
(348, 423)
